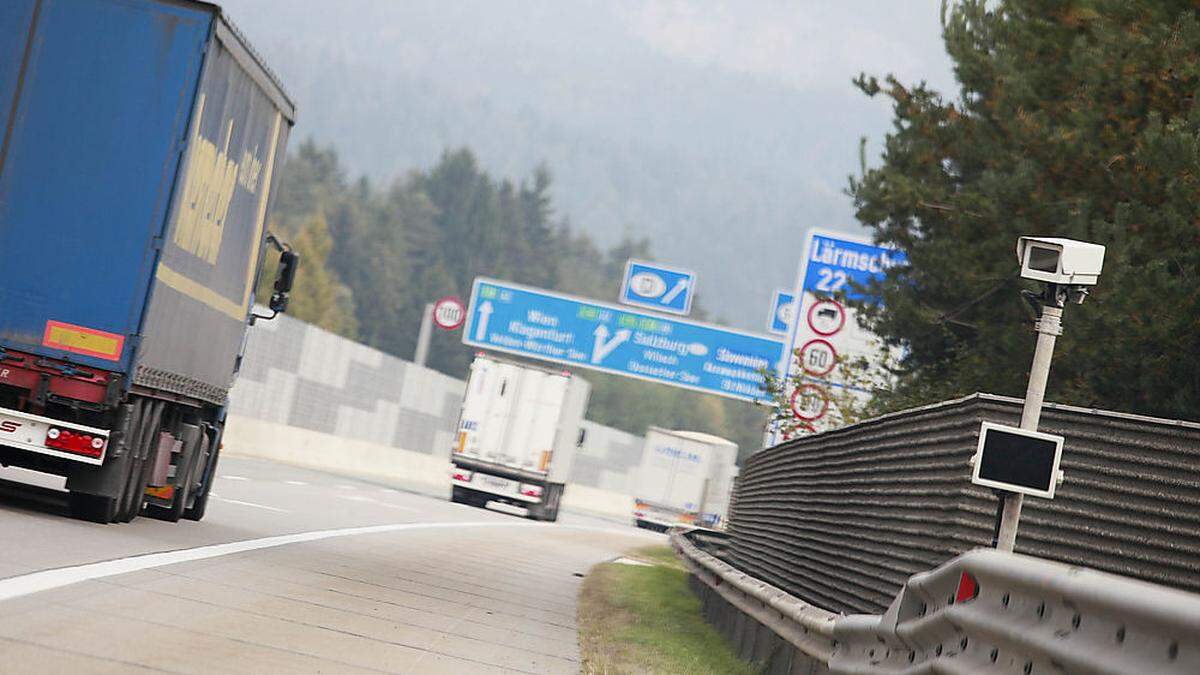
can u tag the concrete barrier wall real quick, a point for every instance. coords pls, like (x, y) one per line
(310, 398)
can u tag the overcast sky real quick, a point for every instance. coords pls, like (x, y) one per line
(709, 126)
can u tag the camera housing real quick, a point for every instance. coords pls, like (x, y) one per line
(1060, 261)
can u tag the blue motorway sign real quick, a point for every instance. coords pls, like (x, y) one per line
(573, 331)
(783, 310)
(836, 263)
(654, 286)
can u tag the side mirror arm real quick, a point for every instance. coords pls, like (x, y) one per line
(289, 261)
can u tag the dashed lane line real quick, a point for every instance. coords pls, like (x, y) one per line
(264, 507)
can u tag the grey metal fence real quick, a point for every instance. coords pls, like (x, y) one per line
(842, 519)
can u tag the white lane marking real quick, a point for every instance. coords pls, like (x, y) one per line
(346, 487)
(235, 478)
(35, 582)
(376, 502)
(251, 504)
(631, 561)
(295, 482)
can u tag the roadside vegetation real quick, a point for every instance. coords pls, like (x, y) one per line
(645, 619)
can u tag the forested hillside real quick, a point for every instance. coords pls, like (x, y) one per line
(373, 255)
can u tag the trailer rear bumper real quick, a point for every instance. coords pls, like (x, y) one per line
(54, 438)
(499, 486)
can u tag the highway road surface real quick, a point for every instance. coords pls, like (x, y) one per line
(293, 570)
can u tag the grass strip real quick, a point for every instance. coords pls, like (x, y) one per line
(645, 619)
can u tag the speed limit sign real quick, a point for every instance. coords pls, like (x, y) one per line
(818, 357)
(449, 313)
(810, 402)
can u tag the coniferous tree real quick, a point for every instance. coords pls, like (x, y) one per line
(1076, 119)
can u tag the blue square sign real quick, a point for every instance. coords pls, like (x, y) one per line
(655, 286)
(783, 311)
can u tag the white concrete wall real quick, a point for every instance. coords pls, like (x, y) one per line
(309, 398)
(387, 465)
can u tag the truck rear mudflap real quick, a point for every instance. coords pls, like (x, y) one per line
(55, 438)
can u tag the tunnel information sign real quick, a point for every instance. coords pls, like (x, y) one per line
(574, 331)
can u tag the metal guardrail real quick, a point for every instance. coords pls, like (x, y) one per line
(808, 628)
(844, 518)
(1026, 616)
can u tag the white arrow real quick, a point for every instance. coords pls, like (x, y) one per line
(602, 347)
(485, 313)
(680, 286)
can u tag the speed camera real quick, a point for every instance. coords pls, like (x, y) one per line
(1060, 261)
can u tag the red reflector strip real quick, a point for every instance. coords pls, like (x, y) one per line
(75, 442)
(968, 588)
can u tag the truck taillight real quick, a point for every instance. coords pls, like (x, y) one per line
(75, 442)
(459, 474)
(531, 490)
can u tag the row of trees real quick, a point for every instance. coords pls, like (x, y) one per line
(373, 256)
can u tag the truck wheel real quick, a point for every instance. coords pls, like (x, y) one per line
(459, 495)
(96, 508)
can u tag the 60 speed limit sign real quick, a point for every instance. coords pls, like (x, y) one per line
(449, 313)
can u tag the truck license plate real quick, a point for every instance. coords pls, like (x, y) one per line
(498, 484)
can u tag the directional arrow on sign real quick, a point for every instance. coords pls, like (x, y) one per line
(602, 347)
(680, 286)
(485, 313)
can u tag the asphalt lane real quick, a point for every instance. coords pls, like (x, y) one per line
(430, 587)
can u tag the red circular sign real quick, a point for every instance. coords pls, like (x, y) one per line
(449, 313)
(810, 415)
(826, 317)
(821, 360)
(799, 427)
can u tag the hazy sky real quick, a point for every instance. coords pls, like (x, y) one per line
(798, 44)
(710, 126)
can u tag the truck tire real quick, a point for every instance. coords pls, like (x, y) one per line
(95, 508)
(142, 461)
(460, 495)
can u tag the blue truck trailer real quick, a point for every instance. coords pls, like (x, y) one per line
(142, 140)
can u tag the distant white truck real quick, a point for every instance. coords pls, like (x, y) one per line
(517, 435)
(685, 478)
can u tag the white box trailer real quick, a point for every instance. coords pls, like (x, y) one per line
(685, 478)
(517, 435)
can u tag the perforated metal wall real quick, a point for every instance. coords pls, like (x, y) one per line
(843, 518)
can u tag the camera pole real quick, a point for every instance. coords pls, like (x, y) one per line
(1048, 328)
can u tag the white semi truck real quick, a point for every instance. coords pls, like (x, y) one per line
(517, 435)
(685, 479)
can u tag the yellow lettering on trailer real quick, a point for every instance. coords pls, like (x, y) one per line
(208, 185)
